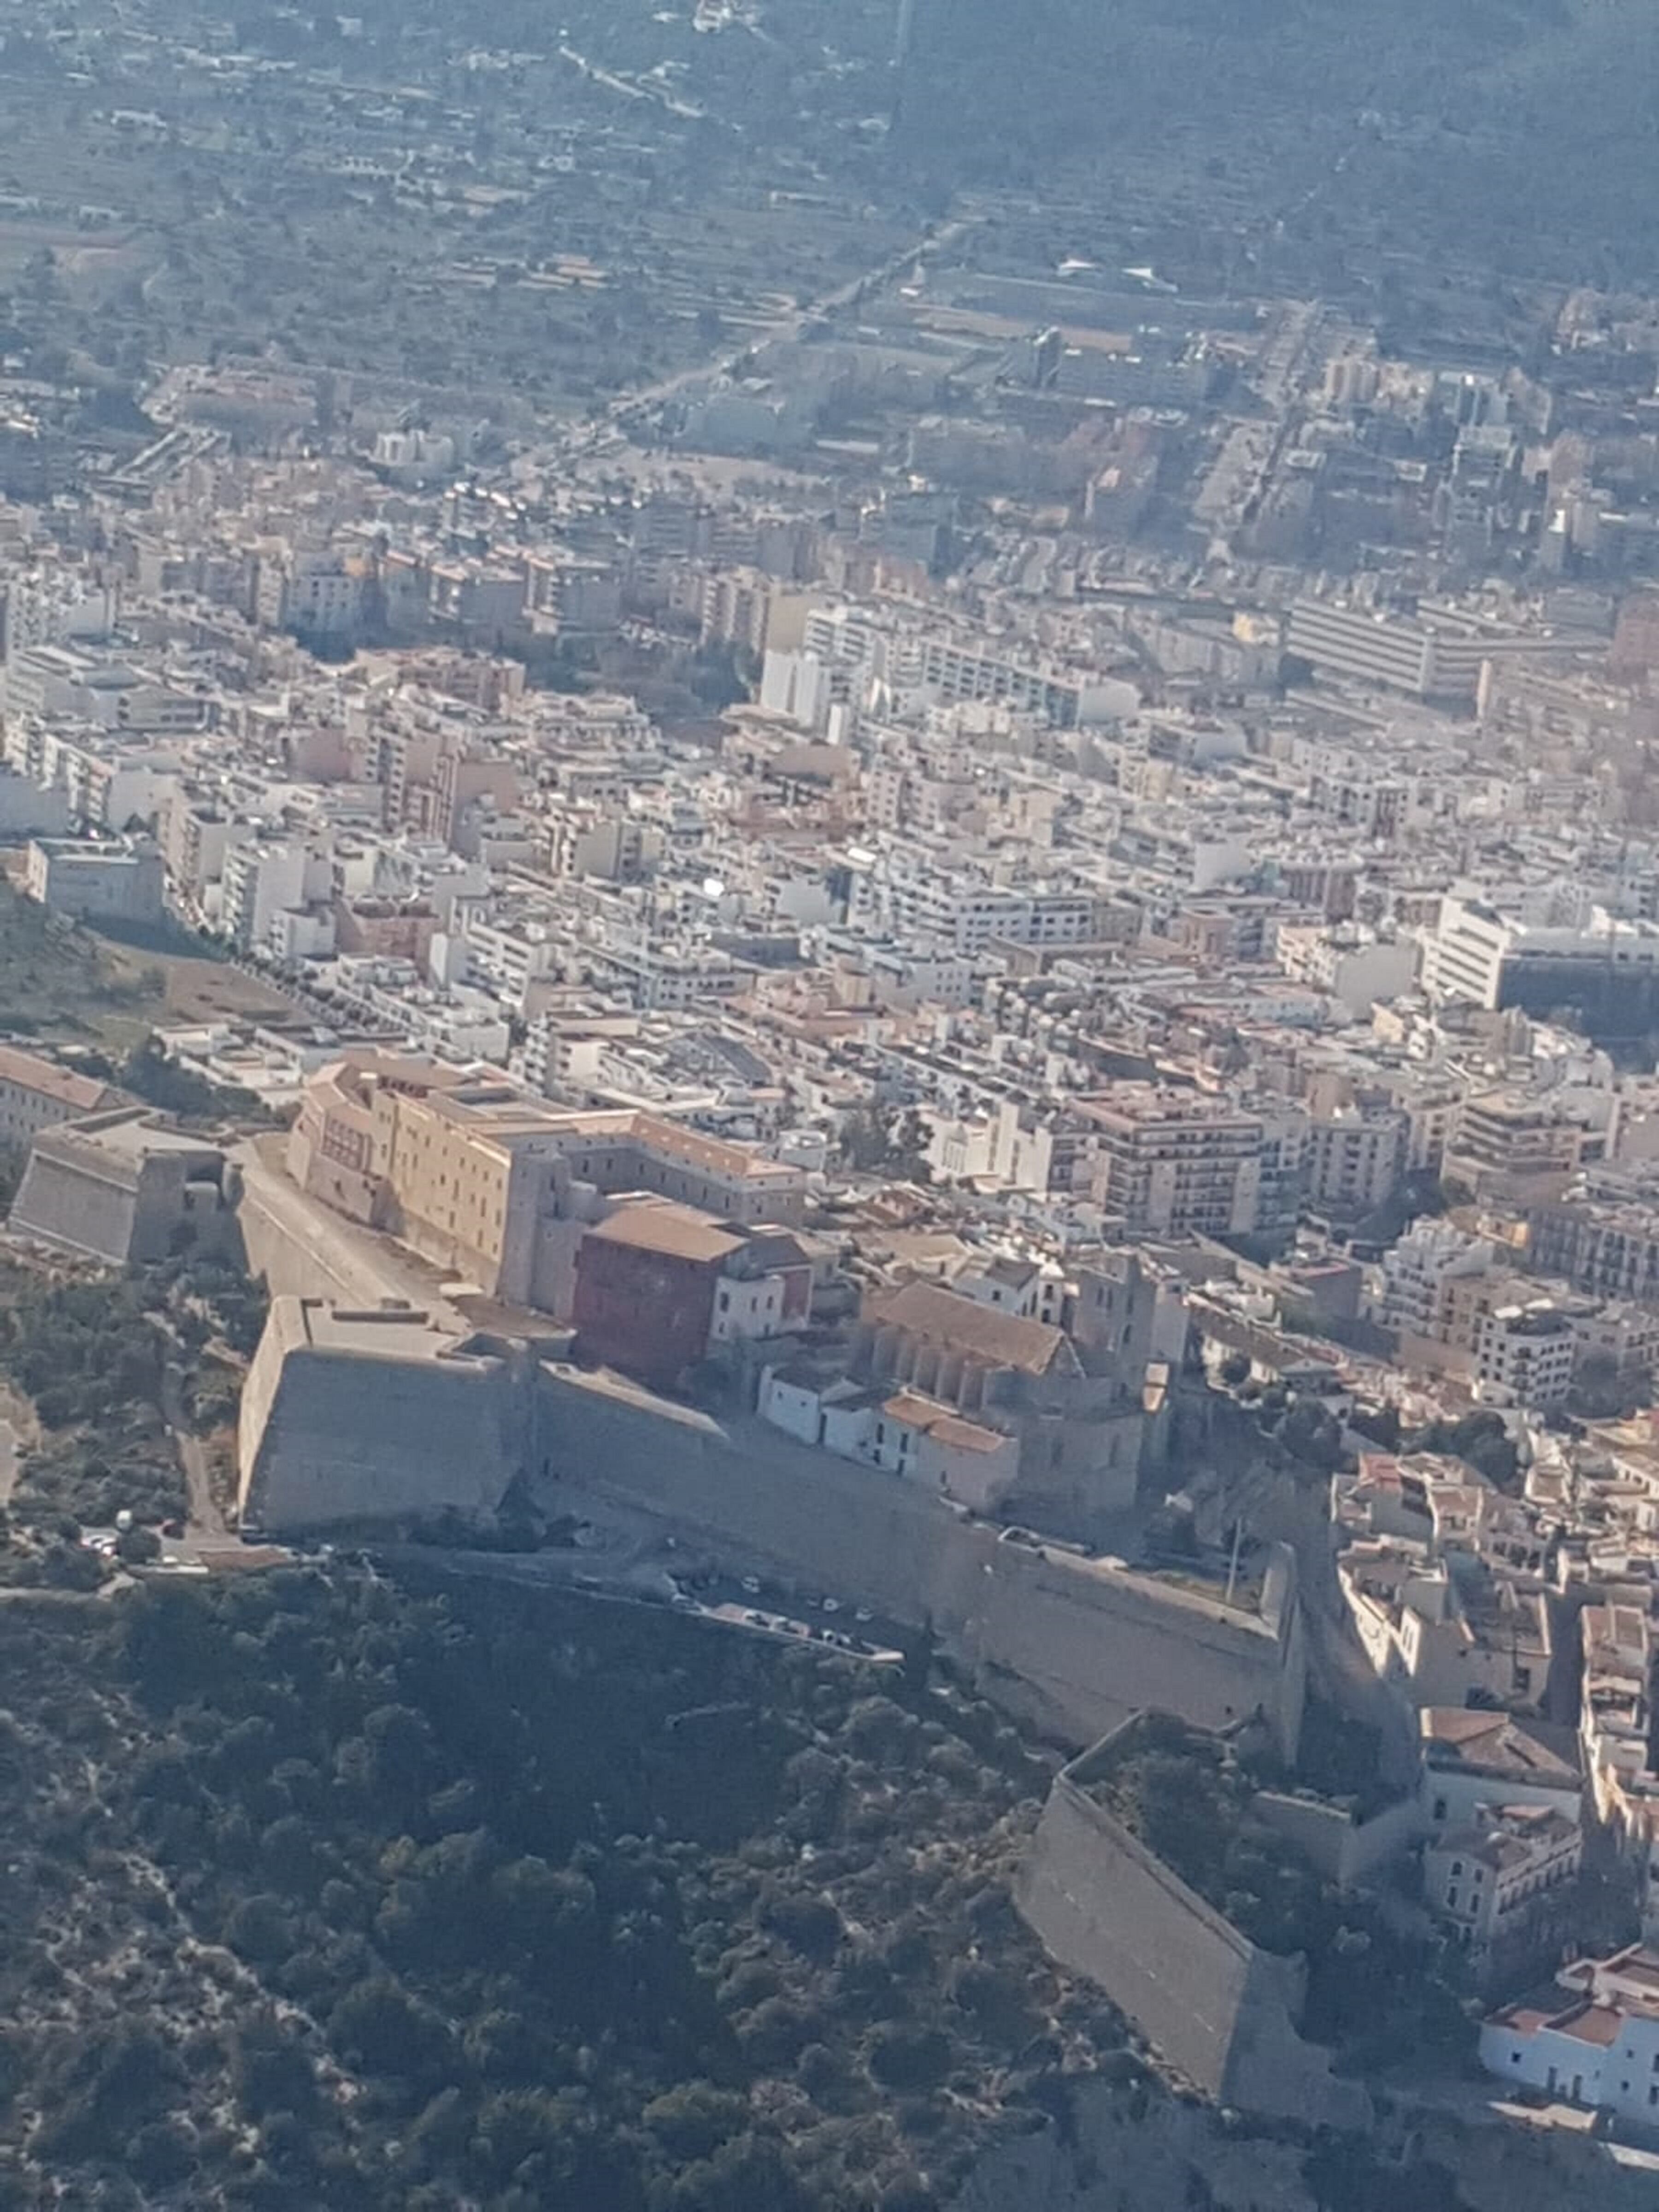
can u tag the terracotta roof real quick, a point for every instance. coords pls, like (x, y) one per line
(966, 1436)
(679, 1232)
(941, 1316)
(946, 1427)
(81, 1092)
(1497, 1742)
(1639, 1964)
(1598, 2024)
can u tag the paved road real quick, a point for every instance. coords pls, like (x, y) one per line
(326, 1257)
(788, 328)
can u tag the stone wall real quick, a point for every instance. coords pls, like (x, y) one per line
(1088, 1645)
(1345, 1850)
(329, 1435)
(1218, 2010)
(1076, 1646)
(78, 1206)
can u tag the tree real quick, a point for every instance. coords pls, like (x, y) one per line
(379, 2027)
(811, 1924)
(1310, 1432)
(695, 2119)
(887, 1141)
(905, 2058)
(260, 1929)
(1378, 1425)
(269, 2069)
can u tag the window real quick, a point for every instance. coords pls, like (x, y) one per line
(1451, 1900)
(726, 1301)
(1457, 1866)
(1439, 1809)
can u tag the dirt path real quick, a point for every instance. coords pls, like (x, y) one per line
(204, 1516)
(17, 1429)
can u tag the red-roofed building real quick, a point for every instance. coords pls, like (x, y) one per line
(1591, 2039)
(660, 1285)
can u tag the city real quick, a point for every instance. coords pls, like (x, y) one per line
(867, 930)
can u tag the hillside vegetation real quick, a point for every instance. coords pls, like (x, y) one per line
(330, 1893)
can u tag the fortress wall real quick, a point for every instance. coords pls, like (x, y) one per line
(297, 1269)
(66, 1203)
(1104, 1907)
(807, 1515)
(340, 1435)
(1344, 1852)
(1220, 2010)
(335, 1436)
(1088, 1645)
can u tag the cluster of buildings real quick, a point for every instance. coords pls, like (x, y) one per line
(1119, 952)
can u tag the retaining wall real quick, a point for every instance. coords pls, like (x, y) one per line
(1218, 2008)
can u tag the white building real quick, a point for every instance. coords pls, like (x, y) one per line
(1481, 954)
(1524, 1354)
(1356, 967)
(1354, 1158)
(94, 882)
(1598, 2046)
(261, 879)
(1473, 1758)
(1410, 1294)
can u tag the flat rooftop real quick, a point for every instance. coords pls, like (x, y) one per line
(400, 1333)
(132, 1135)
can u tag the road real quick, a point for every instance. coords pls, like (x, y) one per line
(321, 1254)
(622, 409)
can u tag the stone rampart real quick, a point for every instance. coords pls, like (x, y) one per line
(337, 1435)
(329, 1435)
(1086, 1643)
(1218, 2008)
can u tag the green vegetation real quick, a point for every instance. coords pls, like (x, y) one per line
(146, 1073)
(886, 1140)
(1481, 1438)
(1373, 1993)
(104, 1360)
(89, 1355)
(352, 1895)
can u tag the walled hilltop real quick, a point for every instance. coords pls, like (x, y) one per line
(1078, 1645)
(375, 1414)
(1216, 2005)
(356, 1416)
(124, 1188)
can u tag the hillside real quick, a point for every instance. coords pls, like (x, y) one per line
(330, 1893)
(1507, 136)
(327, 1892)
